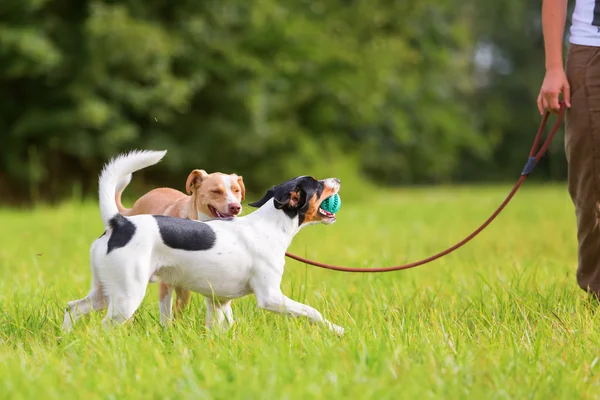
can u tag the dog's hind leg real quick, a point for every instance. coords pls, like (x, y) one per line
(126, 287)
(95, 300)
(122, 306)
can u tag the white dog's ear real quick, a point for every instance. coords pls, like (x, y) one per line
(194, 180)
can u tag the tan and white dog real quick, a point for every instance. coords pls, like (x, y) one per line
(209, 196)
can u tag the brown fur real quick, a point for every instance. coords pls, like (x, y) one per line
(294, 199)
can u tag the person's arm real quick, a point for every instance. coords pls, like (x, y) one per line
(554, 15)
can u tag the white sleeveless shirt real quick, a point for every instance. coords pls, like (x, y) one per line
(585, 27)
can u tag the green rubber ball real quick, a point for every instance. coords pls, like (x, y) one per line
(332, 204)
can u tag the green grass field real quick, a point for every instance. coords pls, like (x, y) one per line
(502, 318)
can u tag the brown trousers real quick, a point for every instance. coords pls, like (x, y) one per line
(582, 148)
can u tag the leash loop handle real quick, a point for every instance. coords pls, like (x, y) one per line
(529, 166)
(534, 157)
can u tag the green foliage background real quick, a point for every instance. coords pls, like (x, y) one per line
(398, 92)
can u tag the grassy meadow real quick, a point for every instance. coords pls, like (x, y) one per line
(501, 318)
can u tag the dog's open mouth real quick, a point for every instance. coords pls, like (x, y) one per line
(217, 214)
(329, 216)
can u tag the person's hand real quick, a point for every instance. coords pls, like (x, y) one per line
(555, 83)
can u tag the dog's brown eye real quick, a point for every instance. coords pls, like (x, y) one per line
(236, 190)
(217, 191)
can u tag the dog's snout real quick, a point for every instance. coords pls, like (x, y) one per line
(234, 208)
(332, 182)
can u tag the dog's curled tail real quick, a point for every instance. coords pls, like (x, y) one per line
(116, 171)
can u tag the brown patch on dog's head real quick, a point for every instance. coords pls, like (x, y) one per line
(239, 180)
(301, 197)
(194, 180)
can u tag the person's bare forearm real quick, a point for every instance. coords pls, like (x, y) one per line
(554, 15)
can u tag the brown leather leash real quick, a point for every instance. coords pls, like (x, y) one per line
(534, 158)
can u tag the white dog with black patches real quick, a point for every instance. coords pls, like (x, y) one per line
(220, 259)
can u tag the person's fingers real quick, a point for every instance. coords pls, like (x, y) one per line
(546, 104)
(552, 102)
(567, 94)
(539, 104)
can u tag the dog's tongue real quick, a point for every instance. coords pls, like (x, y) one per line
(218, 214)
(221, 215)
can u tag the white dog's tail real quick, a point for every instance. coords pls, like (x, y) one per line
(116, 172)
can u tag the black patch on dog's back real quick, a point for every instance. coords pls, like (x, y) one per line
(185, 234)
(122, 232)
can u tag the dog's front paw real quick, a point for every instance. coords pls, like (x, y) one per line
(338, 330)
(67, 325)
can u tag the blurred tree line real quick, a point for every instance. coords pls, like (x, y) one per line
(411, 91)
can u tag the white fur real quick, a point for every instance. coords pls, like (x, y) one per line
(248, 257)
(117, 172)
(230, 197)
(123, 183)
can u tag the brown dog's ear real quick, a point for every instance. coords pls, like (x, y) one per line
(194, 180)
(240, 181)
